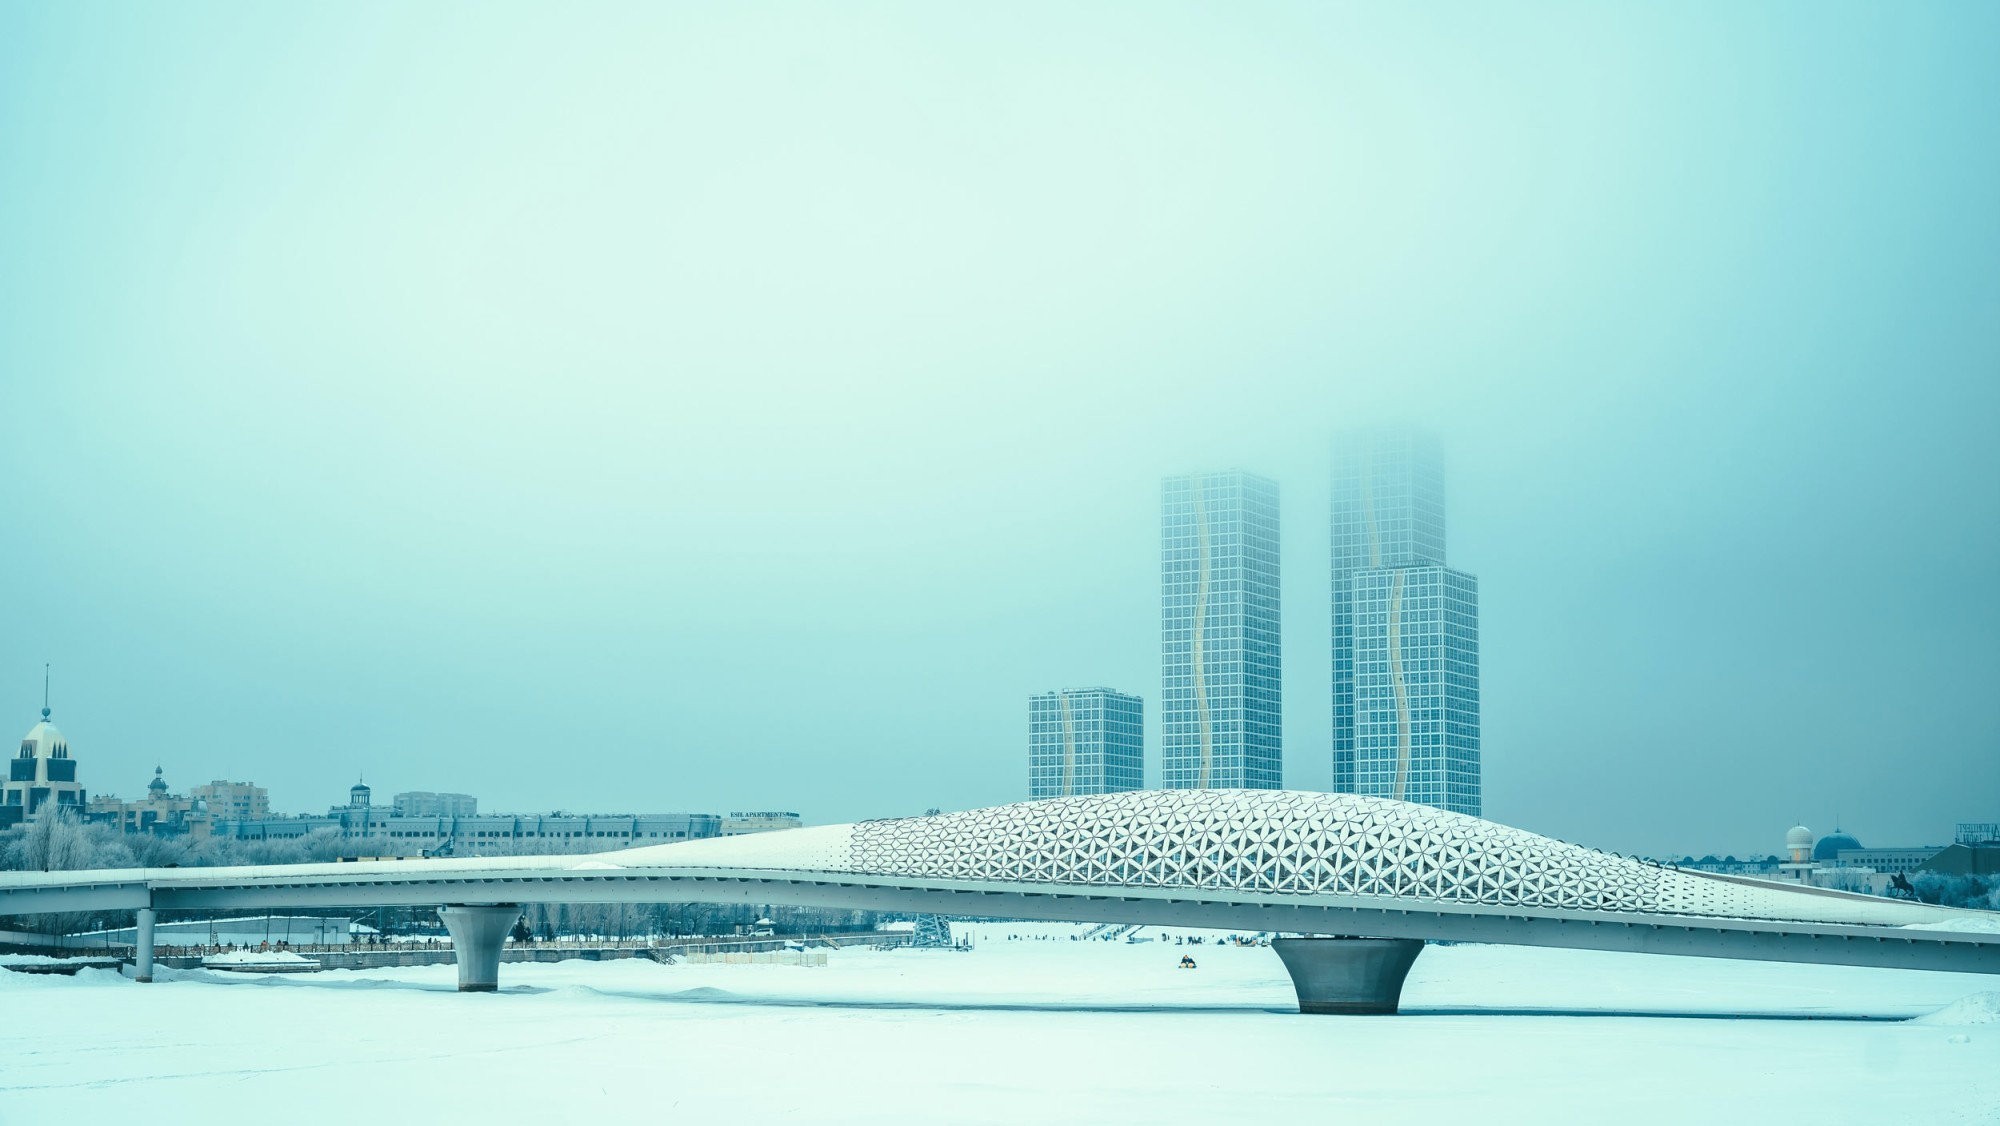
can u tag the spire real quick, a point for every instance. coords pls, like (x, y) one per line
(45, 690)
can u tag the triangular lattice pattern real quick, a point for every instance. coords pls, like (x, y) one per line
(1285, 842)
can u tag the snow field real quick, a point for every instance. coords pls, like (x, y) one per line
(1017, 1031)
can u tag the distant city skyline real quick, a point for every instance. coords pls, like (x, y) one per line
(425, 822)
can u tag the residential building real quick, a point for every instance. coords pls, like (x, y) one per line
(423, 803)
(1085, 741)
(1405, 629)
(234, 801)
(1220, 700)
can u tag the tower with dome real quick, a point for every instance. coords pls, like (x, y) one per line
(1798, 864)
(42, 776)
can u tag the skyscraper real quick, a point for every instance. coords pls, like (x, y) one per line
(1085, 741)
(1220, 699)
(1405, 629)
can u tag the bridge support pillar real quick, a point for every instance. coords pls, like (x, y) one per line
(142, 947)
(477, 934)
(1348, 975)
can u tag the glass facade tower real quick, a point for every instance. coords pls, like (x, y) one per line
(1405, 629)
(1085, 741)
(1220, 698)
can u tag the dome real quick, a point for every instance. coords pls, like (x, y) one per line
(158, 785)
(1830, 845)
(1799, 837)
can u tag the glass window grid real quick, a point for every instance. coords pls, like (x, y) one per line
(1241, 644)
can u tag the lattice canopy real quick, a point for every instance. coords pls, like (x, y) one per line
(1273, 842)
(1256, 840)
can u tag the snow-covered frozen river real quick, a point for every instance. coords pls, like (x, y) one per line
(1037, 1029)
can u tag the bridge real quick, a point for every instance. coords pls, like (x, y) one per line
(1367, 881)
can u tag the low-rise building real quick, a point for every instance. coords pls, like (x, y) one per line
(382, 833)
(366, 829)
(1980, 859)
(1887, 861)
(737, 824)
(1765, 866)
(160, 813)
(424, 803)
(1838, 860)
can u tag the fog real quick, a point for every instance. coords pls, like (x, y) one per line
(646, 408)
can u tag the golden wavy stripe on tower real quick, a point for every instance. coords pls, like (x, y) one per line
(1396, 680)
(1200, 616)
(1069, 745)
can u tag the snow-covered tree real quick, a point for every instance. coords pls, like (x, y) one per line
(57, 841)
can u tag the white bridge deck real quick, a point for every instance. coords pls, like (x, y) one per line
(1280, 861)
(558, 879)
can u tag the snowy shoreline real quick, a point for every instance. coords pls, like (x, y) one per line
(1034, 1027)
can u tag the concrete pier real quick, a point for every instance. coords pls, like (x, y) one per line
(1348, 975)
(477, 934)
(142, 947)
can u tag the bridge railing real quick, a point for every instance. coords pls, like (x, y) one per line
(716, 944)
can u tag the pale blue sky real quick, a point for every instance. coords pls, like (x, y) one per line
(652, 407)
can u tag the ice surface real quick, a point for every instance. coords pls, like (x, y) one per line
(256, 958)
(1035, 1029)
